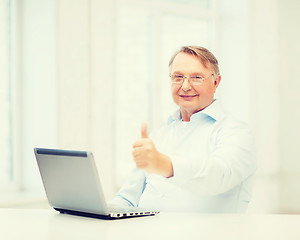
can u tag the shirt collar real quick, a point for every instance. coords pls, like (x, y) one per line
(214, 110)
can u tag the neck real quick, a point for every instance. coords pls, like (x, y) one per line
(186, 115)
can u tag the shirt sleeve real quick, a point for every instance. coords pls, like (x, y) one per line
(231, 162)
(131, 190)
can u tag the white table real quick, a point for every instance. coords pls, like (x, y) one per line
(48, 224)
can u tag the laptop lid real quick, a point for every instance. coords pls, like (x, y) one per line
(71, 180)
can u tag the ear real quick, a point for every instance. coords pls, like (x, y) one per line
(217, 81)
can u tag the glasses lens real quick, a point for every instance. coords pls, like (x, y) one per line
(175, 78)
(196, 80)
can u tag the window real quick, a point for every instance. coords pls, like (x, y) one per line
(28, 97)
(7, 176)
(148, 33)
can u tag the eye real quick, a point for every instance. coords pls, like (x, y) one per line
(197, 78)
(178, 76)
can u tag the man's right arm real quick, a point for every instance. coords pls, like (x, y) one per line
(131, 190)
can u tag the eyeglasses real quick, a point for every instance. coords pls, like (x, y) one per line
(193, 80)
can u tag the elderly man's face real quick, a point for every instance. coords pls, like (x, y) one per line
(192, 98)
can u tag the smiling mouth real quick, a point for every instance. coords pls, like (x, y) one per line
(187, 97)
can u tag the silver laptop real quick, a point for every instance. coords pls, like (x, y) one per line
(72, 185)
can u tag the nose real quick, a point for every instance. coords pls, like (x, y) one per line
(186, 86)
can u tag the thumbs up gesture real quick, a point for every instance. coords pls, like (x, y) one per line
(147, 158)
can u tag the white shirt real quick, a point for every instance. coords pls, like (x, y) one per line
(213, 161)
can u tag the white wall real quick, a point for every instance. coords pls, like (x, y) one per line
(275, 73)
(264, 78)
(289, 102)
(236, 88)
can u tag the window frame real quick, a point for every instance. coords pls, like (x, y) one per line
(13, 183)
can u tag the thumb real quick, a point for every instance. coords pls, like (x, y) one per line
(144, 132)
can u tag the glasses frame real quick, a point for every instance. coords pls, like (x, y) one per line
(200, 82)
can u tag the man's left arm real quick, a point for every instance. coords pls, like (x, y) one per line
(231, 162)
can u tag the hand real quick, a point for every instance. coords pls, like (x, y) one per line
(146, 156)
